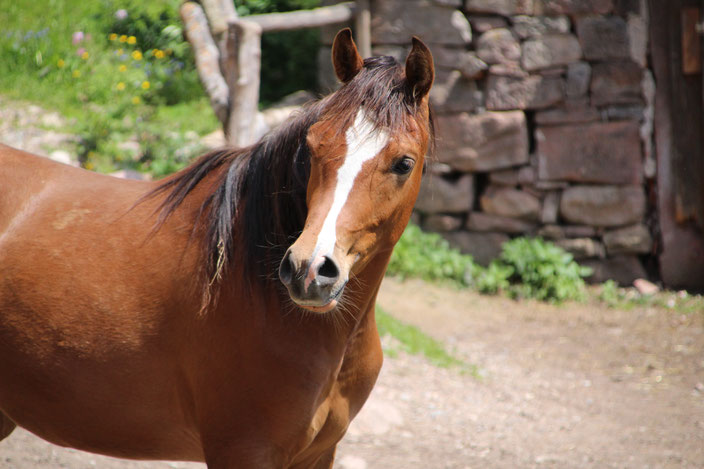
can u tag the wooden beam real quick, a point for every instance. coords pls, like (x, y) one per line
(207, 58)
(243, 63)
(323, 16)
(363, 28)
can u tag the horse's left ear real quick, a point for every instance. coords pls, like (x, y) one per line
(420, 71)
(345, 58)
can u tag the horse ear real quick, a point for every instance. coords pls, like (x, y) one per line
(345, 58)
(420, 71)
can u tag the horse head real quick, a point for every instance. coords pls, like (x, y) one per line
(367, 155)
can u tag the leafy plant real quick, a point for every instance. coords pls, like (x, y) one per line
(429, 256)
(494, 279)
(531, 268)
(610, 293)
(542, 270)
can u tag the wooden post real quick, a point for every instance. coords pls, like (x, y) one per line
(243, 63)
(220, 13)
(228, 10)
(230, 70)
(216, 17)
(363, 28)
(691, 42)
(207, 58)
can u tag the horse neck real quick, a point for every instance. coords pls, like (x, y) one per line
(266, 308)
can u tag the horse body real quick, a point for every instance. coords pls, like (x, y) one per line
(119, 344)
(110, 338)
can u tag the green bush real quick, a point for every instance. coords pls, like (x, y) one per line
(429, 256)
(530, 268)
(542, 270)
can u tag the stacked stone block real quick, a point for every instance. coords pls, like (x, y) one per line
(544, 120)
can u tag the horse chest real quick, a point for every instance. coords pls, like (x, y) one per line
(346, 396)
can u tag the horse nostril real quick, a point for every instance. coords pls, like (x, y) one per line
(286, 269)
(328, 272)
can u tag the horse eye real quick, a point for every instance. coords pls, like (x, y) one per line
(403, 165)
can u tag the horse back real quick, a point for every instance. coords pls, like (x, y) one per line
(63, 226)
(22, 176)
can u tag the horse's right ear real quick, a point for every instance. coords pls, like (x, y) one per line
(345, 58)
(420, 71)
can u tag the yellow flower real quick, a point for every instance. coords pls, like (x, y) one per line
(60, 63)
(136, 100)
(159, 54)
(145, 85)
(137, 55)
(76, 73)
(85, 55)
(88, 165)
(123, 38)
(120, 86)
(119, 51)
(122, 68)
(113, 36)
(132, 40)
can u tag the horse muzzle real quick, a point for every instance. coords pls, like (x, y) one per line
(313, 284)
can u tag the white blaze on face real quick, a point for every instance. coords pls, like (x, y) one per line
(364, 142)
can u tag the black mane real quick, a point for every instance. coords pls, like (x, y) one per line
(258, 207)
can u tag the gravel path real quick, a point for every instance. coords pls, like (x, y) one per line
(562, 387)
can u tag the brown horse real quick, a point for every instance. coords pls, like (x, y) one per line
(147, 320)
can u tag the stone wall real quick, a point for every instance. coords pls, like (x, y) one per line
(544, 119)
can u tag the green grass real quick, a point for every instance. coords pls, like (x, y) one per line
(613, 296)
(413, 341)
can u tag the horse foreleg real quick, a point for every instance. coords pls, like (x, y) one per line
(6, 426)
(243, 455)
(326, 460)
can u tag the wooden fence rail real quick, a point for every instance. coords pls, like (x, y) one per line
(228, 53)
(323, 16)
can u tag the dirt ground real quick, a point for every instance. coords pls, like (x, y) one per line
(576, 386)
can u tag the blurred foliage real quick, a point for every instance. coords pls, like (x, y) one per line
(539, 269)
(289, 58)
(429, 256)
(156, 28)
(120, 68)
(125, 74)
